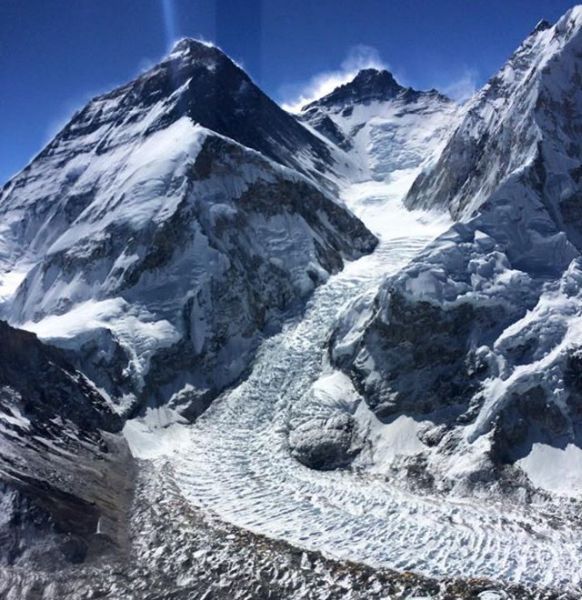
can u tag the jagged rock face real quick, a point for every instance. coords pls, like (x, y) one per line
(47, 385)
(423, 352)
(156, 250)
(477, 338)
(383, 126)
(65, 475)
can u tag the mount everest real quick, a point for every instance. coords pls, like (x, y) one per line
(353, 324)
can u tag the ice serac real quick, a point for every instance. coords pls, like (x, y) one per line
(168, 225)
(477, 339)
(384, 127)
(65, 471)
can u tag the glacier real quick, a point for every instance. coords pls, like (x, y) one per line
(332, 353)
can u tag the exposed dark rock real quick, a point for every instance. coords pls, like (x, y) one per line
(367, 86)
(419, 368)
(326, 444)
(64, 473)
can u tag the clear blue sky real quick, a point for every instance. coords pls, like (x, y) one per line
(56, 54)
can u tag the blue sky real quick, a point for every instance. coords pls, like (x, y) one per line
(56, 54)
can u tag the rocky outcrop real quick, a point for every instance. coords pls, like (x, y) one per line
(65, 472)
(48, 386)
(325, 444)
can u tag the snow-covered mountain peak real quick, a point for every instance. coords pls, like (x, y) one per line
(198, 81)
(520, 103)
(171, 220)
(545, 43)
(192, 46)
(190, 49)
(190, 53)
(384, 126)
(369, 86)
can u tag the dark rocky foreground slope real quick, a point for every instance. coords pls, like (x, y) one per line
(65, 471)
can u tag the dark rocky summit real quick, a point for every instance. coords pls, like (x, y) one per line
(367, 86)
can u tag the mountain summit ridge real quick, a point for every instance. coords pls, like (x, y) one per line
(368, 85)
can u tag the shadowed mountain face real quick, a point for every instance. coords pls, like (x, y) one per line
(198, 81)
(48, 385)
(213, 91)
(65, 472)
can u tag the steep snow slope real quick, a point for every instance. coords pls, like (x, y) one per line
(383, 126)
(65, 475)
(475, 343)
(157, 249)
(526, 117)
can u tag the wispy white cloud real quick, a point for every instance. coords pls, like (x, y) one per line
(462, 87)
(294, 96)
